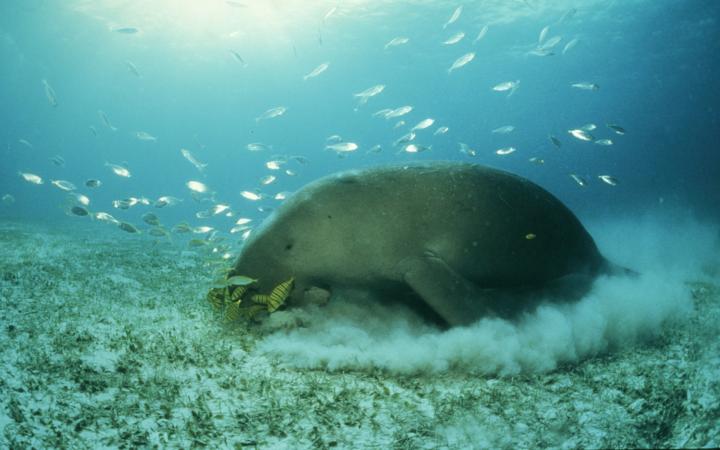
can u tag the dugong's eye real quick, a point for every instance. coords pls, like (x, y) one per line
(289, 246)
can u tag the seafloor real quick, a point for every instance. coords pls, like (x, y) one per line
(107, 342)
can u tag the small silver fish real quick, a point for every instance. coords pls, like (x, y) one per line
(58, 160)
(608, 179)
(127, 30)
(159, 232)
(423, 124)
(329, 14)
(504, 129)
(342, 147)
(372, 91)
(63, 185)
(567, 16)
(197, 186)
(31, 177)
(238, 58)
(267, 179)
(505, 151)
(404, 139)
(462, 61)
(106, 121)
(441, 130)
(543, 34)
(454, 17)
(397, 41)
(481, 34)
(79, 211)
(128, 227)
(93, 183)
(182, 227)
(581, 134)
(8, 199)
(274, 164)
(507, 86)
(551, 43)
(239, 228)
(151, 219)
(555, 141)
(105, 217)
(118, 170)
(121, 204)
(189, 156)
(374, 149)
(26, 143)
(145, 136)
(317, 71)
(250, 195)
(570, 45)
(464, 148)
(415, 148)
(541, 52)
(454, 39)
(398, 112)
(80, 198)
(258, 147)
(132, 68)
(605, 142)
(584, 85)
(167, 200)
(272, 113)
(616, 128)
(578, 179)
(50, 94)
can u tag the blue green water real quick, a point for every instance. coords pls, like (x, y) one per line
(655, 63)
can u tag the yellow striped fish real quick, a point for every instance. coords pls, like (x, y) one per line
(217, 297)
(277, 297)
(237, 294)
(233, 311)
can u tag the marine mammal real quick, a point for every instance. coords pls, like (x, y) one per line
(460, 240)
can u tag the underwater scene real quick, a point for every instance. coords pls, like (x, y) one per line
(359, 224)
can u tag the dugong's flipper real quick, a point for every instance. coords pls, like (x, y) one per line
(458, 301)
(455, 299)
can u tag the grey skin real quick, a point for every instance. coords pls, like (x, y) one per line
(455, 241)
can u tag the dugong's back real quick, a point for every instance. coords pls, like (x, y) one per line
(494, 228)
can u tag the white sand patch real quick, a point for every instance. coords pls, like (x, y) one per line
(353, 334)
(101, 360)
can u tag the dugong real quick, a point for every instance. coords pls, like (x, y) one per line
(453, 240)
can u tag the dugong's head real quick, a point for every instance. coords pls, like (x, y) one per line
(280, 250)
